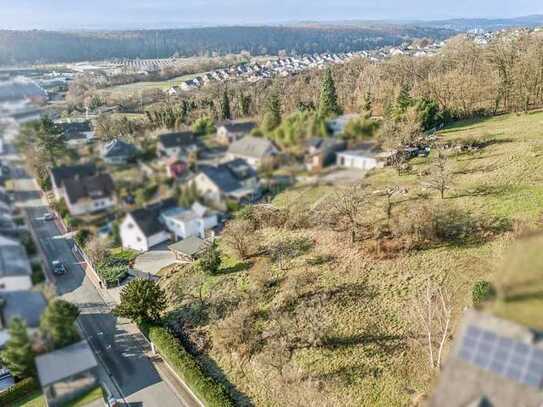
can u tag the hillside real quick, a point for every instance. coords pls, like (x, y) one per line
(330, 323)
(27, 47)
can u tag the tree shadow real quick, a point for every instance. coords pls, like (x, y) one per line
(236, 268)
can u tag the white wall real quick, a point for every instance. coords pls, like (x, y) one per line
(360, 162)
(131, 235)
(86, 206)
(207, 189)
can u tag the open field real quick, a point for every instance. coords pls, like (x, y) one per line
(138, 87)
(372, 356)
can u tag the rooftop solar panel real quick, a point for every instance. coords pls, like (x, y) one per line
(509, 358)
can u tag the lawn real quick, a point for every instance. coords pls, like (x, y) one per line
(374, 360)
(138, 87)
(35, 400)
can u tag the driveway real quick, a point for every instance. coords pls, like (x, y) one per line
(155, 259)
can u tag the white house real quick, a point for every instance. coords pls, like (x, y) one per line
(227, 133)
(178, 145)
(118, 152)
(141, 229)
(89, 194)
(184, 223)
(15, 270)
(254, 150)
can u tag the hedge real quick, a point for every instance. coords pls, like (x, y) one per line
(19, 391)
(209, 391)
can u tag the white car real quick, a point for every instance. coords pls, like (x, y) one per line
(48, 216)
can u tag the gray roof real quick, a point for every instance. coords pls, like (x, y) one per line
(228, 176)
(249, 146)
(64, 172)
(189, 246)
(66, 362)
(118, 148)
(239, 127)
(503, 366)
(26, 305)
(95, 187)
(71, 128)
(13, 259)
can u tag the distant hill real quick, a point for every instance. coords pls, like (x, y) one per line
(465, 24)
(27, 47)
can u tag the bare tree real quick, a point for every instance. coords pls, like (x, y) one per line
(240, 237)
(433, 313)
(389, 193)
(97, 250)
(440, 178)
(347, 206)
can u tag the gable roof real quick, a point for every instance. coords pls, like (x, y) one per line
(189, 246)
(494, 361)
(118, 148)
(13, 259)
(229, 175)
(64, 172)
(70, 128)
(148, 218)
(94, 187)
(243, 127)
(27, 305)
(182, 139)
(66, 362)
(249, 146)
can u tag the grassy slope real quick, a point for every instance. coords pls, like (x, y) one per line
(503, 179)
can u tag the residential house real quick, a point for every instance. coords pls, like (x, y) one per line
(189, 85)
(67, 373)
(338, 124)
(321, 152)
(141, 229)
(366, 157)
(60, 174)
(255, 150)
(15, 270)
(25, 305)
(76, 134)
(195, 221)
(190, 249)
(493, 362)
(118, 152)
(227, 133)
(175, 168)
(179, 145)
(89, 194)
(234, 180)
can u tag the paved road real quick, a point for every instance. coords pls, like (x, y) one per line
(123, 352)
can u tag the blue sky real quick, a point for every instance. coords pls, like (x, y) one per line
(73, 14)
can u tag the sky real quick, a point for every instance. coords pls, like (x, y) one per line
(123, 14)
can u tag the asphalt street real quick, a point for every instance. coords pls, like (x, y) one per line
(128, 367)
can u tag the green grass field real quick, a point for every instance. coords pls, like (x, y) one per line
(375, 361)
(138, 87)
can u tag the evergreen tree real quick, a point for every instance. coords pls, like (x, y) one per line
(17, 355)
(225, 106)
(141, 301)
(57, 324)
(211, 260)
(328, 105)
(367, 105)
(404, 100)
(272, 117)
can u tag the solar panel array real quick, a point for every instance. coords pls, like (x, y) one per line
(509, 358)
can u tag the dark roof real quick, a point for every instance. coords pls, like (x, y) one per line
(228, 176)
(66, 362)
(328, 143)
(118, 148)
(147, 218)
(244, 127)
(26, 305)
(249, 146)
(182, 139)
(74, 127)
(13, 259)
(95, 187)
(492, 361)
(64, 172)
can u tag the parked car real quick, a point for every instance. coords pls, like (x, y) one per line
(48, 216)
(58, 267)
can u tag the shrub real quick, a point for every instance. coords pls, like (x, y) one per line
(482, 291)
(112, 270)
(29, 244)
(37, 274)
(209, 391)
(19, 391)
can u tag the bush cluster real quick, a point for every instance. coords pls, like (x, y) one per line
(19, 391)
(209, 391)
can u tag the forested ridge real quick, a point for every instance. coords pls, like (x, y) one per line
(18, 47)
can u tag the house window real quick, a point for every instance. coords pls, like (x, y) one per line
(138, 239)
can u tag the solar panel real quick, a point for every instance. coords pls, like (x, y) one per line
(509, 358)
